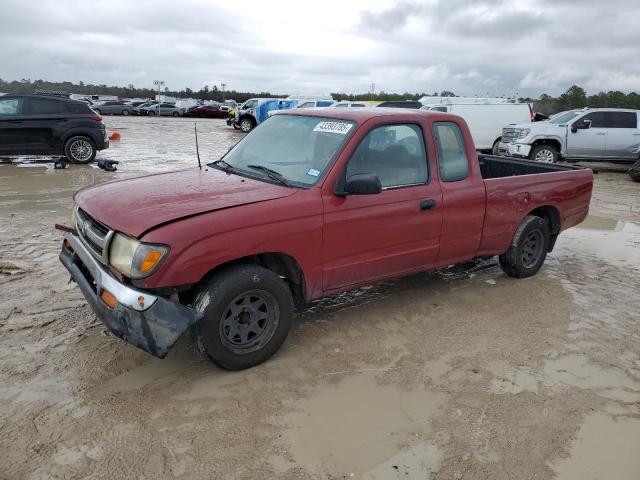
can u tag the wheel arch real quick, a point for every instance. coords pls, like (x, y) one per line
(282, 264)
(551, 215)
(553, 142)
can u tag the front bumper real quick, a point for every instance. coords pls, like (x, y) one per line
(149, 322)
(514, 149)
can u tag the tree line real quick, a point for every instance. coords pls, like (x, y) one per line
(574, 97)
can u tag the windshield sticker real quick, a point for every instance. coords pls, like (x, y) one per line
(333, 127)
(313, 172)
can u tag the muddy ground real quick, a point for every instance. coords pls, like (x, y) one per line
(462, 373)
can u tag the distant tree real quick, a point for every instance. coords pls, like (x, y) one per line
(447, 93)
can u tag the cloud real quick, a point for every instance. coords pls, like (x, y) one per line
(471, 47)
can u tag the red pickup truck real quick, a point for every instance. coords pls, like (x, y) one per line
(311, 203)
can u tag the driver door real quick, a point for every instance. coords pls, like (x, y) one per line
(589, 142)
(370, 237)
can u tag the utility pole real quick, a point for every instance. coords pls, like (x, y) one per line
(373, 90)
(159, 84)
(223, 85)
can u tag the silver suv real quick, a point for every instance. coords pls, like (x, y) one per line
(586, 134)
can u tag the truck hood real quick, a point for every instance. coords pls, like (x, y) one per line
(137, 205)
(543, 128)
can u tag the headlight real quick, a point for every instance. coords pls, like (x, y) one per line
(135, 259)
(524, 132)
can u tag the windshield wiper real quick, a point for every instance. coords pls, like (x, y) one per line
(273, 174)
(224, 166)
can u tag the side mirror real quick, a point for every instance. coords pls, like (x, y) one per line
(363, 184)
(581, 125)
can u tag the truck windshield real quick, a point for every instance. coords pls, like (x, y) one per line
(299, 148)
(565, 117)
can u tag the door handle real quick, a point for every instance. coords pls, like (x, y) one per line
(427, 204)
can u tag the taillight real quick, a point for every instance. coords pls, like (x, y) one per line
(95, 117)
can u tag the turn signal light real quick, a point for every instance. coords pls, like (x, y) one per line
(150, 260)
(108, 298)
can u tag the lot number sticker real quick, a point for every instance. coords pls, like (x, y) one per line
(333, 127)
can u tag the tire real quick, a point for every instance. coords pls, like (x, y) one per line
(125, 112)
(544, 154)
(80, 149)
(151, 113)
(175, 114)
(528, 249)
(246, 125)
(634, 172)
(495, 150)
(247, 316)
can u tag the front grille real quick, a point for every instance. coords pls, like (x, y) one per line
(94, 235)
(509, 134)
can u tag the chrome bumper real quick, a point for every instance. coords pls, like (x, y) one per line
(514, 149)
(149, 322)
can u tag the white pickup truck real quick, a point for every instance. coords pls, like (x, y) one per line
(586, 134)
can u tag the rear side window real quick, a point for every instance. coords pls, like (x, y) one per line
(452, 153)
(45, 106)
(621, 119)
(11, 106)
(72, 107)
(395, 153)
(597, 119)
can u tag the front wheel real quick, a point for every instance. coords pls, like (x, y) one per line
(246, 125)
(495, 150)
(544, 154)
(175, 114)
(125, 112)
(247, 316)
(80, 149)
(528, 249)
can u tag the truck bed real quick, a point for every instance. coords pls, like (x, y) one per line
(492, 166)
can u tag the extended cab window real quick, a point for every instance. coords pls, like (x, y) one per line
(452, 153)
(45, 106)
(621, 119)
(11, 106)
(395, 153)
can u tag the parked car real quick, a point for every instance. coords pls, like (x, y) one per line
(486, 120)
(314, 103)
(136, 104)
(162, 109)
(585, 134)
(46, 125)
(110, 107)
(310, 204)
(207, 111)
(253, 112)
(356, 104)
(140, 109)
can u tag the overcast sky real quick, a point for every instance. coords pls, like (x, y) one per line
(471, 47)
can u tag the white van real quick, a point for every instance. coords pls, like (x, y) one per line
(487, 120)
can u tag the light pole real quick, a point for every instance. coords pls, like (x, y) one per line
(223, 85)
(159, 84)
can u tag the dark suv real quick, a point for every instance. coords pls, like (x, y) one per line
(45, 124)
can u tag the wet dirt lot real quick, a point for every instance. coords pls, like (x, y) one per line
(462, 373)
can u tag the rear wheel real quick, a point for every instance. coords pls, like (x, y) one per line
(634, 172)
(247, 316)
(544, 154)
(80, 149)
(125, 112)
(528, 249)
(175, 114)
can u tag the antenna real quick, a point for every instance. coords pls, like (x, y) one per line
(195, 129)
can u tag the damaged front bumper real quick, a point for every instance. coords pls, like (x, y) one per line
(149, 322)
